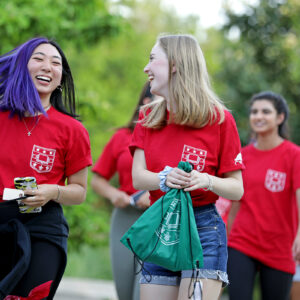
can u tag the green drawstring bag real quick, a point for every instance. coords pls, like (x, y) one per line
(166, 233)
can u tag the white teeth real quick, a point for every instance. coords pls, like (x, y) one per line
(43, 78)
(151, 78)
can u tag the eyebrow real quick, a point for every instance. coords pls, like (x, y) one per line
(54, 56)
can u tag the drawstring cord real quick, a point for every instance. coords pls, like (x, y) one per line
(137, 259)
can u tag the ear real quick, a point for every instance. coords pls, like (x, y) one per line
(146, 100)
(173, 68)
(280, 118)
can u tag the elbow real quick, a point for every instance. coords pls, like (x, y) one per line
(136, 181)
(239, 193)
(81, 197)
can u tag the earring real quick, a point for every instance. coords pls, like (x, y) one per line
(59, 87)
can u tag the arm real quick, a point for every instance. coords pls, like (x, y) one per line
(147, 180)
(296, 244)
(102, 187)
(229, 187)
(235, 207)
(73, 193)
(143, 179)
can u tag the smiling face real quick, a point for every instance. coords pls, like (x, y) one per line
(264, 118)
(158, 72)
(45, 69)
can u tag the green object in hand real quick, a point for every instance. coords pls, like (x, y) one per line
(166, 233)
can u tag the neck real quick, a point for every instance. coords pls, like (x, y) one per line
(268, 142)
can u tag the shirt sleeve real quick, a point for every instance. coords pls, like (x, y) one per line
(230, 157)
(106, 165)
(138, 136)
(78, 154)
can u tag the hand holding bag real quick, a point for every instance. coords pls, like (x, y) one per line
(166, 234)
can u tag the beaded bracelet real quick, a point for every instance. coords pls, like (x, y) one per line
(163, 177)
(210, 187)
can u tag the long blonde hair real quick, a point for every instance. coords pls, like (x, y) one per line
(192, 101)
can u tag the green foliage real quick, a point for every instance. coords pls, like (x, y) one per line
(265, 56)
(78, 22)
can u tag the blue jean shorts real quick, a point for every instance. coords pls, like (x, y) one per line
(212, 234)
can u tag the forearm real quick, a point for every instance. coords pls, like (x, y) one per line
(102, 187)
(75, 191)
(70, 194)
(145, 180)
(229, 188)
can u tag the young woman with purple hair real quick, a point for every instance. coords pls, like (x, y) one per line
(40, 138)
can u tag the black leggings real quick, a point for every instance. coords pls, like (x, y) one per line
(242, 269)
(45, 262)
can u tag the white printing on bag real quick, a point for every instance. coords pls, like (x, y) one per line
(275, 180)
(194, 156)
(168, 232)
(42, 159)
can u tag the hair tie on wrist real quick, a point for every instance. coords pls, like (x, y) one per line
(163, 177)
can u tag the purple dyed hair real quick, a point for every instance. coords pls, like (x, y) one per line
(17, 91)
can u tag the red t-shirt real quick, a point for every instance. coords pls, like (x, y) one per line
(214, 149)
(116, 158)
(58, 147)
(266, 224)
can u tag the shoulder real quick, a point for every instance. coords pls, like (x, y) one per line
(64, 121)
(291, 147)
(247, 149)
(228, 117)
(122, 132)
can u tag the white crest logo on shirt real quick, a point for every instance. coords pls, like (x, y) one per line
(275, 181)
(42, 159)
(238, 159)
(194, 156)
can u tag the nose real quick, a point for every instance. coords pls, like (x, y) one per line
(46, 65)
(146, 69)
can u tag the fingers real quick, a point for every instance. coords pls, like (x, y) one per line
(178, 179)
(198, 181)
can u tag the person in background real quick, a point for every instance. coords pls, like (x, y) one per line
(189, 124)
(295, 290)
(128, 205)
(265, 235)
(41, 139)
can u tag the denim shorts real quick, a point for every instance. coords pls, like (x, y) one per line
(212, 233)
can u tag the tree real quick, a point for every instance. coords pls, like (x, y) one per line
(264, 56)
(76, 22)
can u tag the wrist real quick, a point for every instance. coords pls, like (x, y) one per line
(163, 177)
(210, 183)
(58, 194)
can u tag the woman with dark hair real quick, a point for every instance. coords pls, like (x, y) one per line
(265, 236)
(41, 141)
(127, 201)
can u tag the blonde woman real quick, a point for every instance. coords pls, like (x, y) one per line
(189, 124)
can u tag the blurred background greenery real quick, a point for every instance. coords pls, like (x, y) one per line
(108, 42)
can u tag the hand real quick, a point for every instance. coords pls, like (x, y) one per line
(120, 199)
(178, 179)
(144, 201)
(296, 248)
(42, 195)
(198, 181)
